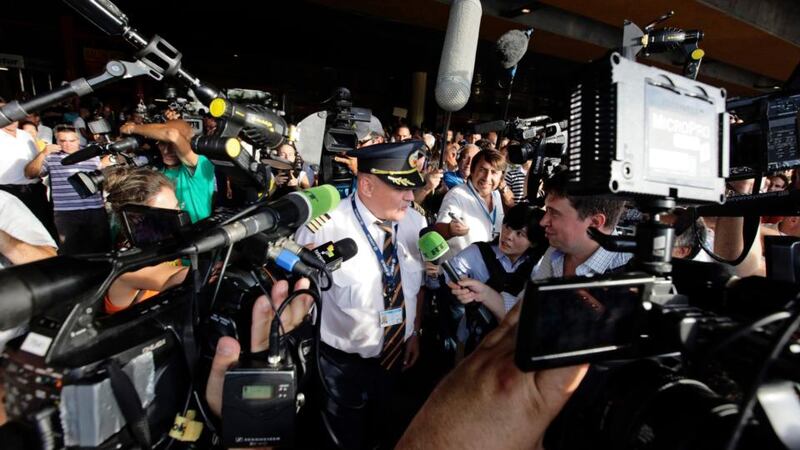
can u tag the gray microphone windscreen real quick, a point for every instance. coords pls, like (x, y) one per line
(511, 47)
(454, 82)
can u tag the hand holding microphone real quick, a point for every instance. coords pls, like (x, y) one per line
(433, 246)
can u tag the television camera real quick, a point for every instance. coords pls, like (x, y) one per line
(684, 354)
(327, 134)
(79, 377)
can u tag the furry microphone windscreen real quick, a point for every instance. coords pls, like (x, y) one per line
(511, 47)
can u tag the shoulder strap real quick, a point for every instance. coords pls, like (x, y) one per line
(497, 274)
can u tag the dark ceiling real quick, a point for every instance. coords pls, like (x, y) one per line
(300, 50)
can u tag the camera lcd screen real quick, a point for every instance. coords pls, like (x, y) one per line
(579, 321)
(147, 226)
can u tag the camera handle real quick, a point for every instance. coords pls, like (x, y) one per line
(652, 245)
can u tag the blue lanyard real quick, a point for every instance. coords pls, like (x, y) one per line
(493, 216)
(388, 270)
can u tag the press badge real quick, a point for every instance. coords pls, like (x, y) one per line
(391, 317)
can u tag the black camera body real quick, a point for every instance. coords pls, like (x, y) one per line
(539, 140)
(764, 134)
(674, 346)
(62, 391)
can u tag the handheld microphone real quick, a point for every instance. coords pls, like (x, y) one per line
(328, 256)
(283, 215)
(333, 254)
(433, 246)
(457, 64)
(123, 145)
(261, 126)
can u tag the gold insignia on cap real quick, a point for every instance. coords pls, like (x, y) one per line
(400, 181)
(393, 172)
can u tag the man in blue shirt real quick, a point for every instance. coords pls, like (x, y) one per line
(464, 160)
(572, 252)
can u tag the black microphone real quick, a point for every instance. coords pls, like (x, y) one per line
(285, 214)
(333, 254)
(33, 288)
(328, 256)
(495, 125)
(123, 145)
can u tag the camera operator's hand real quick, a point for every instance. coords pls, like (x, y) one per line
(281, 178)
(292, 182)
(127, 128)
(228, 348)
(513, 408)
(350, 162)
(433, 179)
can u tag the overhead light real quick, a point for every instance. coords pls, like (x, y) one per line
(3, 68)
(235, 55)
(526, 8)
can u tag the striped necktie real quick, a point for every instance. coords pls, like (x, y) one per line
(392, 298)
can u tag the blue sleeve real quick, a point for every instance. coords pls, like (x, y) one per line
(464, 262)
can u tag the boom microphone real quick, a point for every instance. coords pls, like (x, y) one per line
(511, 47)
(454, 82)
(128, 144)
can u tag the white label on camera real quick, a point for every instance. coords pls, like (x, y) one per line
(36, 344)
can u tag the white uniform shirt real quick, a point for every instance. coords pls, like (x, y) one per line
(15, 153)
(351, 308)
(466, 204)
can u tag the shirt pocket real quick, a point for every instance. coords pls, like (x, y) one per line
(349, 286)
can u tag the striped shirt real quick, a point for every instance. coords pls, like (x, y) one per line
(552, 264)
(515, 180)
(65, 198)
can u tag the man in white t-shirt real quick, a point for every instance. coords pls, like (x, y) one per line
(80, 126)
(17, 149)
(23, 238)
(473, 211)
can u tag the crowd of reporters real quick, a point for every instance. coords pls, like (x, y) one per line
(501, 232)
